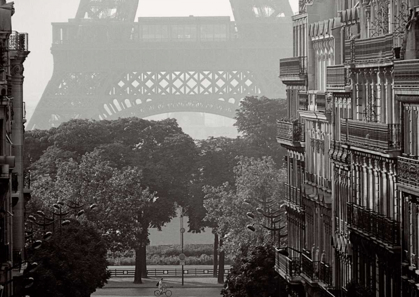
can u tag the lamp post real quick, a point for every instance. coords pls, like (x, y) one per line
(182, 256)
(274, 217)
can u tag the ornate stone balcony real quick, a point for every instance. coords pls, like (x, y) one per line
(290, 133)
(375, 50)
(371, 135)
(373, 225)
(288, 264)
(337, 78)
(338, 153)
(408, 171)
(293, 69)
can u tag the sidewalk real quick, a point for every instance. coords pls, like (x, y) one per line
(174, 282)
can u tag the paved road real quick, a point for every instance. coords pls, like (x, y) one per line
(193, 287)
(149, 292)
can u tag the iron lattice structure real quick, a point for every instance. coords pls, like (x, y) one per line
(107, 66)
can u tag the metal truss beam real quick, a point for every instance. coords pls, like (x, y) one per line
(108, 67)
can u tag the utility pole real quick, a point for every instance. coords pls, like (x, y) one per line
(182, 256)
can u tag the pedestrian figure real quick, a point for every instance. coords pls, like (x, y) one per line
(161, 285)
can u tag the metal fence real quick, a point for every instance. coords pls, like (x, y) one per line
(173, 272)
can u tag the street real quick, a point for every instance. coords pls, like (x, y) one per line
(148, 292)
(193, 287)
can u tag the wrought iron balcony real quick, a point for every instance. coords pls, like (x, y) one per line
(337, 77)
(373, 224)
(293, 69)
(408, 171)
(290, 132)
(325, 273)
(371, 50)
(309, 268)
(406, 74)
(288, 264)
(18, 41)
(371, 135)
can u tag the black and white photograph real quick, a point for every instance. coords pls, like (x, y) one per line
(204, 148)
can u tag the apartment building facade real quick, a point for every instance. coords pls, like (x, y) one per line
(14, 186)
(352, 141)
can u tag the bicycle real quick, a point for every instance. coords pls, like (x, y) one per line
(164, 291)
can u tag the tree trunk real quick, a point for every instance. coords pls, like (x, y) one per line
(215, 267)
(221, 265)
(144, 261)
(137, 276)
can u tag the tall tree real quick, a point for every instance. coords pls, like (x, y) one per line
(126, 210)
(258, 187)
(257, 120)
(85, 158)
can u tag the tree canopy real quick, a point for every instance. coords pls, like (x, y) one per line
(72, 263)
(136, 171)
(257, 120)
(253, 274)
(258, 184)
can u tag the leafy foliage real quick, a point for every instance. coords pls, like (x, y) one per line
(73, 263)
(258, 184)
(136, 171)
(253, 274)
(257, 120)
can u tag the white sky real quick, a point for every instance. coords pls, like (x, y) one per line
(35, 17)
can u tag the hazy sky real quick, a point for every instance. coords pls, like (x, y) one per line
(35, 17)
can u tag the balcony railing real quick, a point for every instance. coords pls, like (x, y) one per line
(310, 268)
(372, 50)
(408, 171)
(293, 194)
(18, 41)
(371, 135)
(290, 132)
(337, 77)
(293, 68)
(325, 273)
(338, 153)
(289, 266)
(372, 224)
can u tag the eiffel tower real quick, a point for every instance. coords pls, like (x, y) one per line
(107, 65)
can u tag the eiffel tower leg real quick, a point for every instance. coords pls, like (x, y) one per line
(71, 95)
